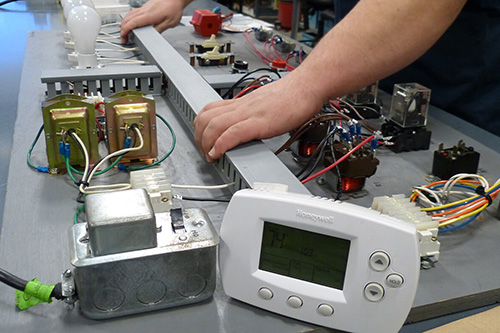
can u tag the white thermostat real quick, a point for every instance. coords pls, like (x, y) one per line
(329, 263)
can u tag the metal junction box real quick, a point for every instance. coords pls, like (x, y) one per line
(180, 269)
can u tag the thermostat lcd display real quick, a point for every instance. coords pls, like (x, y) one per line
(304, 255)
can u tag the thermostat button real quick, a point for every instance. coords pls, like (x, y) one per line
(325, 309)
(395, 280)
(294, 302)
(266, 293)
(379, 261)
(374, 292)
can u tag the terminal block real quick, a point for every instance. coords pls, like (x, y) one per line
(400, 207)
(406, 139)
(156, 183)
(451, 161)
(62, 114)
(122, 111)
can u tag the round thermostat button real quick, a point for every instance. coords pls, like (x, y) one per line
(294, 302)
(379, 261)
(266, 293)
(394, 280)
(325, 309)
(374, 292)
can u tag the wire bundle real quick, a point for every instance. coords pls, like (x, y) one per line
(269, 53)
(437, 197)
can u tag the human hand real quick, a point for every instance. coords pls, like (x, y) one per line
(271, 110)
(162, 14)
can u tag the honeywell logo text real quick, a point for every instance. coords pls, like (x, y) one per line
(314, 217)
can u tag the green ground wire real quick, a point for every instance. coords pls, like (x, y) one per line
(28, 158)
(69, 167)
(78, 212)
(111, 166)
(174, 140)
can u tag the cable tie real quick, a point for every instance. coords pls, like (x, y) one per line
(480, 190)
(80, 182)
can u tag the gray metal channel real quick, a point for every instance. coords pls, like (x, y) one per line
(106, 80)
(189, 93)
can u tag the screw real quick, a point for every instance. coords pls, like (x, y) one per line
(67, 273)
(164, 199)
(198, 223)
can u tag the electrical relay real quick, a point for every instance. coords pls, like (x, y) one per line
(457, 159)
(408, 118)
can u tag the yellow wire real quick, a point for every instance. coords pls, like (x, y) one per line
(474, 212)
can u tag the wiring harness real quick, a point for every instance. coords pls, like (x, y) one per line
(441, 199)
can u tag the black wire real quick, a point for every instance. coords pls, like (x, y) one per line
(339, 177)
(4, 3)
(205, 199)
(245, 76)
(317, 161)
(12, 280)
(319, 149)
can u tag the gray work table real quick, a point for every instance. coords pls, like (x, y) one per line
(39, 210)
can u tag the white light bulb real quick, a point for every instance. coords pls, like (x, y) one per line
(84, 24)
(68, 5)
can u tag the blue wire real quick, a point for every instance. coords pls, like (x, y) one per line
(490, 190)
(460, 225)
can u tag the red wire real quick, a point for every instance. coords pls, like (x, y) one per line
(97, 107)
(268, 54)
(244, 91)
(266, 60)
(101, 134)
(274, 47)
(333, 165)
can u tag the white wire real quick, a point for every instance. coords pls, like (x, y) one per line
(108, 35)
(85, 153)
(123, 60)
(116, 45)
(425, 199)
(110, 24)
(116, 50)
(123, 63)
(202, 187)
(96, 189)
(453, 180)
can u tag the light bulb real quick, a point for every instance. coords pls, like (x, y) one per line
(68, 5)
(84, 24)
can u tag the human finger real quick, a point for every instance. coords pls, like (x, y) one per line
(233, 136)
(208, 112)
(125, 24)
(217, 125)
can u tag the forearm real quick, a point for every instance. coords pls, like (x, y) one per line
(376, 39)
